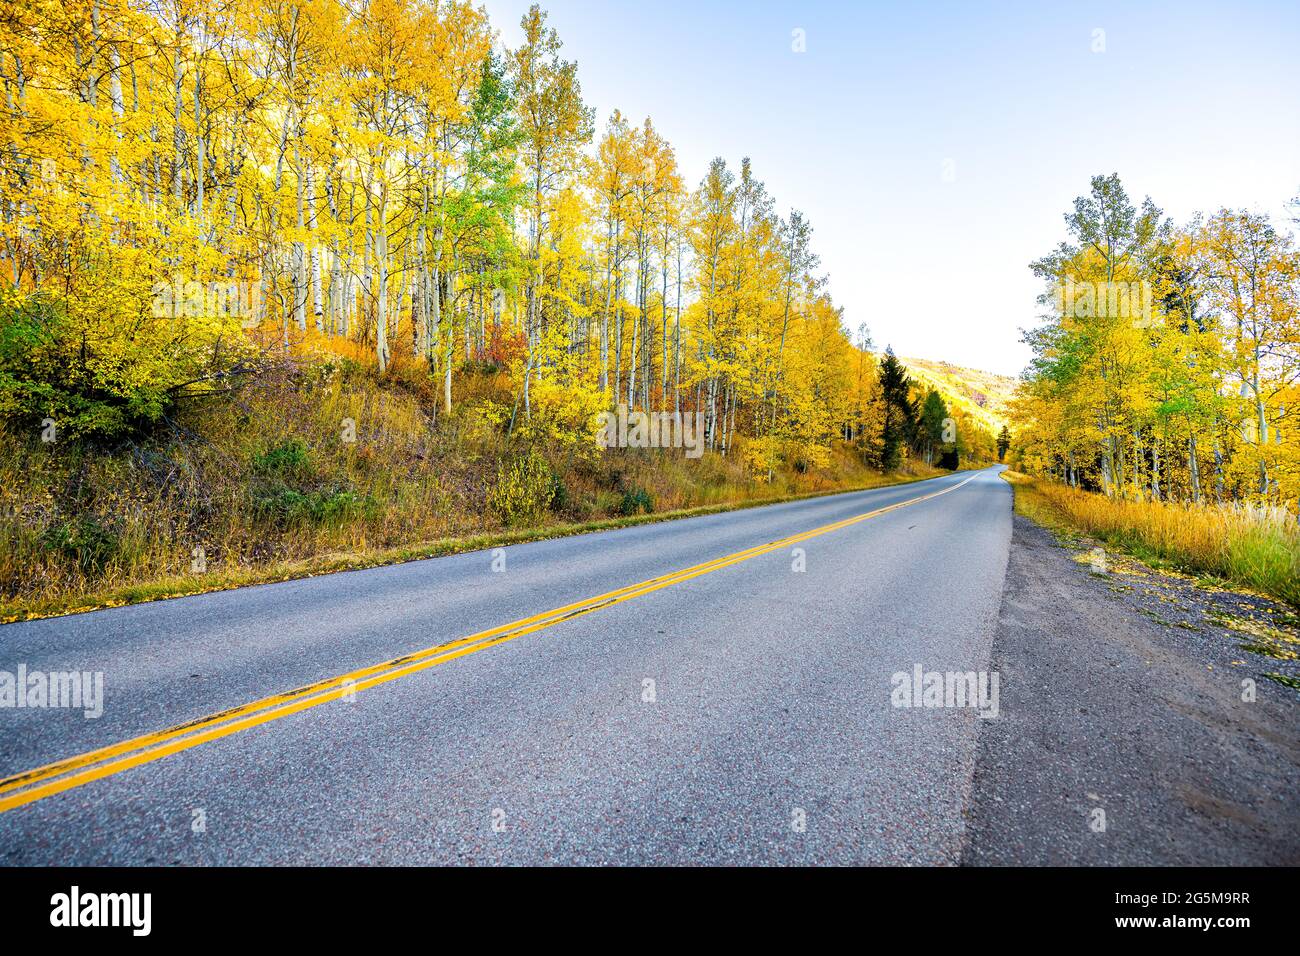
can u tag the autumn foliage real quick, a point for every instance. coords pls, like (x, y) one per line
(1167, 366)
(191, 185)
(291, 279)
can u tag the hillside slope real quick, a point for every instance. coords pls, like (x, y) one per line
(984, 396)
(311, 467)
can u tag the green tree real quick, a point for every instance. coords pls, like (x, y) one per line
(898, 410)
(930, 428)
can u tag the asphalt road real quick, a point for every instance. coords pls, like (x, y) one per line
(767, 736)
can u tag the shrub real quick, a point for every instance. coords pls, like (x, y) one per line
(559, 493)
(524, 489)
(287, 458)
(84, 540)
(99, 363)
(290, 507)
(636, 501)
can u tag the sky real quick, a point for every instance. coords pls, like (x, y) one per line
(936, 147)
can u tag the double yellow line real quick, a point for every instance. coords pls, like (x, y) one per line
(66, 774)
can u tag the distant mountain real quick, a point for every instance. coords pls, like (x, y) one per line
(983, 395)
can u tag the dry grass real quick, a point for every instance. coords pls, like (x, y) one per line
(267, 488)
(1247, 547)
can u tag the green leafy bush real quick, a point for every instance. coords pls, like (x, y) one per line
(636, 501)
(83, 540)
(287, 458)
(289, 507)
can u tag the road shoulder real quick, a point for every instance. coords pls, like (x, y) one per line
(1122, 706)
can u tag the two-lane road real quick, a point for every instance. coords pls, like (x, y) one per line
(724, 698)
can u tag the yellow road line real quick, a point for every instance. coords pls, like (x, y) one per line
(27, 787)
(29, 777)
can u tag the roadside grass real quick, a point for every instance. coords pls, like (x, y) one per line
(1223, 547)
(182, 585)
(266, 487)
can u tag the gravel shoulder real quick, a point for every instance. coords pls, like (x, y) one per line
(1122, 694)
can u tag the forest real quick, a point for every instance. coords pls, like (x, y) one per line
(1167, 367)
(295, 277)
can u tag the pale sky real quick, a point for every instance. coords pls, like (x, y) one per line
(1196, 104)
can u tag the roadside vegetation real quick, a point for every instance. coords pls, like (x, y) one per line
(1253, 547)
(1167, 364)
(316, 467)
(1158, 413)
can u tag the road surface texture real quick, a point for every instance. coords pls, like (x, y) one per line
(741, 712)
(1122, 705)
(767, 735)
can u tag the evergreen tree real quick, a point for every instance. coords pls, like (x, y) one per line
(1004, 442)
(898, 410)
(930, 430)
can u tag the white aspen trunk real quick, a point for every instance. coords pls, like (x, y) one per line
(423, 252)
(663, 327)
(451, 339)
(367, 279)
(1193, 466)
(435, 290)
(176, 126)
(636, 322)
(200, 150)
(381, 288)
(299, 250)
(677, 337)
(1262, 422)
(1218, 473)
(604, 319)
(115, 94)
(1155, 468)
(317, 298)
